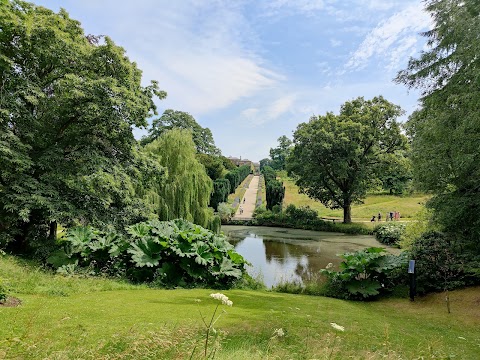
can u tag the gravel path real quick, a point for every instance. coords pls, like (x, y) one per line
(248, 202)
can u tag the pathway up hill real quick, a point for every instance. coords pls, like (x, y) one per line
(247, 204)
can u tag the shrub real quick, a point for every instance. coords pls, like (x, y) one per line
(277, 209)
(168, 253)
(444, 262)
(389, 233)
(301, 214)
(225, 211)
(259, 210)
(3, 291)
(364, 274)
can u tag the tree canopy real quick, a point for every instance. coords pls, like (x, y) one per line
(335, 158)
(445, 132)
(280, 154)
(186, 191)
(173, 119)
(68, 102)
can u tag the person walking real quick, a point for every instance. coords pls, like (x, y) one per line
(379, 217)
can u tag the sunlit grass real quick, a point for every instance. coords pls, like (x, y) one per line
(408, 206)
(93, 322)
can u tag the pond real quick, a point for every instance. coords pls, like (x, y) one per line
(279, 254)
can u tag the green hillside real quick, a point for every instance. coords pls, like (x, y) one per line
(82, 318)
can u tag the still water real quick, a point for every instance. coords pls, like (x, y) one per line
(279, 254)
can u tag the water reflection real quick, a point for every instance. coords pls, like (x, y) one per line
(278, 254)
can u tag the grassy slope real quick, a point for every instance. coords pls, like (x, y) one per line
(408, 205)
(63, 318)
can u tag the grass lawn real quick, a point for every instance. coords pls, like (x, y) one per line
(408, 206)
(76, 318)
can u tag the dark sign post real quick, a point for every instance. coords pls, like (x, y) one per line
(411, 275)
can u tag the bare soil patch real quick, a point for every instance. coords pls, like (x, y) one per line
(11, 302)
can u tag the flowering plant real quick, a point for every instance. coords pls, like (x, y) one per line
(224, 300)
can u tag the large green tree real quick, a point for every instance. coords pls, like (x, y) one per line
(280, 154)
(68, 102)
(173, 119)
(445, 132)
(336, 157)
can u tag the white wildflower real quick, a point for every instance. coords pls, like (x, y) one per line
(337, 327)
(329, 266)
(222, 298)
(278, 333)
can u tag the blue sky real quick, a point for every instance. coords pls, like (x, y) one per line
(252, 70)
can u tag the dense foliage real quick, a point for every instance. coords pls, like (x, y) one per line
(186, 191)
(274, 189)
(445, 132)
(444, 262)
(280, 154)
(171, 253)
(221, 190)
(390, 233)
(237, 175)
(213, 165)
(395, 172)
(365, 274)
(336, 158)
(68, 103)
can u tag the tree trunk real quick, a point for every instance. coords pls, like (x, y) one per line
(347, 213)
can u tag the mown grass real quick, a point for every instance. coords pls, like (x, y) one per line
(106, 319)
(408, 206)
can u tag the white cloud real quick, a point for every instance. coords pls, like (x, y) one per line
(335, 42)
(203, 53)
(256, 116)
(305, 7)
(392, 37)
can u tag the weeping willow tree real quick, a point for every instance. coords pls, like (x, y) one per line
(185, 192)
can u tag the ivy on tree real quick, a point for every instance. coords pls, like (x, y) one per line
(336, 158)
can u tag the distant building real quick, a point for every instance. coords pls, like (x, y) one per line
(240, 162)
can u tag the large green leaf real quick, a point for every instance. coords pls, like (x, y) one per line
(145, 252)
(366, 287)
(228, 268)
(203, 255)
(139, 230)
